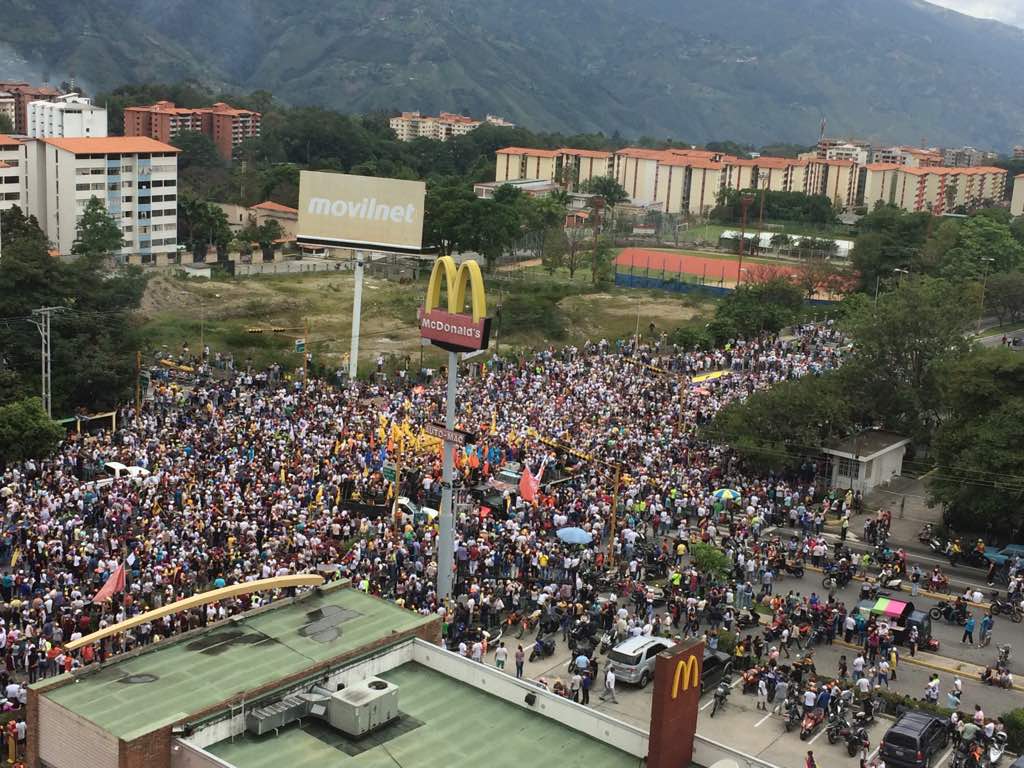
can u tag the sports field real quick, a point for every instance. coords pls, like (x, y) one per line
(713, 270)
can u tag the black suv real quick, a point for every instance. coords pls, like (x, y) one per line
(914, 741)
(717, 666)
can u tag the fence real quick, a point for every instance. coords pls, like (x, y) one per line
(681, 285)
(289, 267)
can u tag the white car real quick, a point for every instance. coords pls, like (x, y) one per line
(115, 470)
(411, 509)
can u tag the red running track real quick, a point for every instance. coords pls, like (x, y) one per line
(717, 269)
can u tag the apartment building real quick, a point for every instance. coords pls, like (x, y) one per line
(7, 106)
(514, 163)
(911, 157)
(855, 152)
(967, 157)
(936, 190)
(23, 95)
(1018, 153)
(1017, 199)
(12, 170)
(69, 116)
(226, 126)
(135, 177)
(412, 125)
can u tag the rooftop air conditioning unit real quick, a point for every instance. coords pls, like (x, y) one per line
(363, 707)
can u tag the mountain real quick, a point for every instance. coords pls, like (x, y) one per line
(753, 71)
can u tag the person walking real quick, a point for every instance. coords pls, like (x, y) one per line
(762, 694)
(609, 686)
(520, 658)
(810, 762)
(986, 630)
(500, 655)
(968, 630)
(585, 684)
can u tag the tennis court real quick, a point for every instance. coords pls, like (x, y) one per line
(710, 270)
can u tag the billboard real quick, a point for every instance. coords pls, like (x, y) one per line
(361, 212)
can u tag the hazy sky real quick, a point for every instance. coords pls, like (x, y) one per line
(1009, 11)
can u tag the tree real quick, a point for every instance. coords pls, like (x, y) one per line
(555, 248)
(265, 235)
(977, 446)
(575, 240)
(780, 240)
(1004, 295)
(447, 210)
(903, 344)
(607, 188)
(710, 561)
(780, 427)
(202, 224)
(602, 262)
(26, 431)
(98, 233)
(6, 126)
(197, 151)
(984, 245)
(755, 308)
(888, 239)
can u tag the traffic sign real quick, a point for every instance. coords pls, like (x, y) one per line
(390, 471)
(456, 436)
(300, 345)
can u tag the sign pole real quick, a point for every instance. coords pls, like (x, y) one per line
(446, 537)
(357, 307)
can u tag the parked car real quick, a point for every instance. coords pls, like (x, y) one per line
(914, 741)
(633, 661)
(113, 470)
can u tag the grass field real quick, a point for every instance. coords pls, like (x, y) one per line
(536, 310)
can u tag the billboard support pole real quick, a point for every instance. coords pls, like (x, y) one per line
(357, 308)
(446, 536)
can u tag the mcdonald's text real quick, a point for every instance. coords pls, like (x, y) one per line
(454, 331)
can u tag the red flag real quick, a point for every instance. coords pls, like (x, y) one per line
(113, 585)
(528, 485)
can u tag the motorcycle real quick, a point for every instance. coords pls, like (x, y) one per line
(996, 747)
(812, 721)
(792, 568)
(747, 618)
(925, 534)
(940, 584)
(792, 714)
(835, 577)
(967, 755)
(608, 641)
(542, 648)
(750, 680)
(855, 736)
(721, 694)
(1003, 662)
(948, 611)
(1005, 606)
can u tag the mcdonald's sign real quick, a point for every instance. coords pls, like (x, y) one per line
(688, 673)
(453, 329)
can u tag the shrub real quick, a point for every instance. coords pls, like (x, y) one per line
(1014, 722)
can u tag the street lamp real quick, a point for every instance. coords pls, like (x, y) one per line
(984, 282)
(898, 271)
(739, 277)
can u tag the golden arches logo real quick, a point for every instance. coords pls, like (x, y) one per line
(687, 672)
(457, 278)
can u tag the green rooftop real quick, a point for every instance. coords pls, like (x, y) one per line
(194, 674)
(444, 723)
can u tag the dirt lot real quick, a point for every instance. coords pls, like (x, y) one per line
(220, 313)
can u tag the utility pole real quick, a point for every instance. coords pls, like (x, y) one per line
(446, 535)
(357, 307)
(305, 353)
(745, 202)
(138, 384)
(43, 325)
(984, 284)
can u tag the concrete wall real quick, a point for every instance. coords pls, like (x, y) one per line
(185, 755)
(506, 687)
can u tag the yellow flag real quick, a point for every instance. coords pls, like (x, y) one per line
(15, 557)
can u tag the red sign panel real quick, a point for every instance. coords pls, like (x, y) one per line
(454, 332)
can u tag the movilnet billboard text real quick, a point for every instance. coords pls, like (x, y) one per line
(454, 331)
(360, 211)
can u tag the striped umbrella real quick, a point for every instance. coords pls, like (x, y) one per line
(727, 494)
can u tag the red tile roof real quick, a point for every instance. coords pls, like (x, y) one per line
(111, 144)
(525, 151)
(8, 141)
(270, 205)
(585, 153)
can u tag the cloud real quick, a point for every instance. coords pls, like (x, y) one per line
(1007, 11)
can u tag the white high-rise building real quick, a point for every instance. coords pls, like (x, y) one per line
(70, 116)
(135, 177)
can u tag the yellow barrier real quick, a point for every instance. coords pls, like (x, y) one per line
(203, 598)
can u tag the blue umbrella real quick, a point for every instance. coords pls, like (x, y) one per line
(574, 536)
(727, 494)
